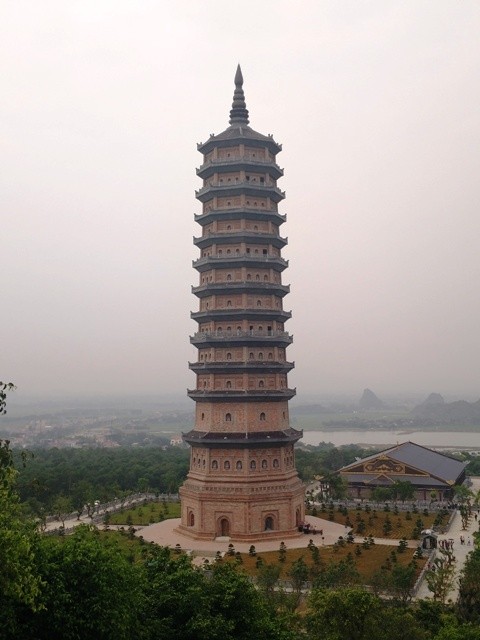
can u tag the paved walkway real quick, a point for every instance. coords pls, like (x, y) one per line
(165, 534)
(461, 551)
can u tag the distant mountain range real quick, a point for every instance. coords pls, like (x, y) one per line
(458, 412)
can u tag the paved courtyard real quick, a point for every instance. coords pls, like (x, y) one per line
(461, 551)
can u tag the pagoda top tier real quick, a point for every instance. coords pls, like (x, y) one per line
(239, 132)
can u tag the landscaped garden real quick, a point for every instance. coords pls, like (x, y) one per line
(145, 514)
(389, 522)
(347, 563)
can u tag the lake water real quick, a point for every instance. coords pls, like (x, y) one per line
(450, 439)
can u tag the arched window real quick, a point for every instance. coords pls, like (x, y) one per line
(219, 330)
(260, 355)
(275, 463)
(269, 523)
(203, 416)
(265, 278)
(229, 356)
(239, 465)
(228, 252)
(229, 303)
(253, 465)
(203, 463)
(229, 384)
(226, 465)
(262, 417)
(250, 356)
(261, 384)
(264, 464)
(259, 303)
(257, 277)
(191, 519)
(220, 252)
(270, 355)
(249, 276)
(229, 277)
(229, 227)
(228, 417)
(214, 464)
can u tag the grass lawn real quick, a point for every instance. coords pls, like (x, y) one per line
(367, 564)
(401, 525)
(146, 513)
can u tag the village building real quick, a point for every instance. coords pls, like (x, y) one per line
(242, 482)
(432, 474)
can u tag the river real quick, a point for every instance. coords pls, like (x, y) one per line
(440, 439)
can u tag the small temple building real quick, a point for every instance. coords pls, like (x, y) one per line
(242, 482)
(431, 473)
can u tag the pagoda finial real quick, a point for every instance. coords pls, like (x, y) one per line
(239, 111)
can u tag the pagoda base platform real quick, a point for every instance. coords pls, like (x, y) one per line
(169, 533)
(249, 538)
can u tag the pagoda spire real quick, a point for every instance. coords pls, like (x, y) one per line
(239, 111)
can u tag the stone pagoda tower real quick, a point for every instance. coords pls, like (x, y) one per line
(242, 481)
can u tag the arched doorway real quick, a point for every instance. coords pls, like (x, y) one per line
(191, 519)
(298, 514)
(224, 527)
(269, 524)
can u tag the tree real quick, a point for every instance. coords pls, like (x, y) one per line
(465, 513)
(401, 581)
(298, 575)
(349, 613)
(62, 508)
(463, 494)
(20, 582)
(91, 590)
(183, 603)
(403, 489)
(337, 486)
(234, 599)
(468, 605)
(455, 631)
(381, 494)
(267, 579)
(4, 387)
(335, 575)
(441, 578)
(431, 615)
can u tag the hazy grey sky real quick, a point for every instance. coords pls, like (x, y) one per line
(376, 103)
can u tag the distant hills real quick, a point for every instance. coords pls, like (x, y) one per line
(454, 413)
(433, 411)
(370, 401)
